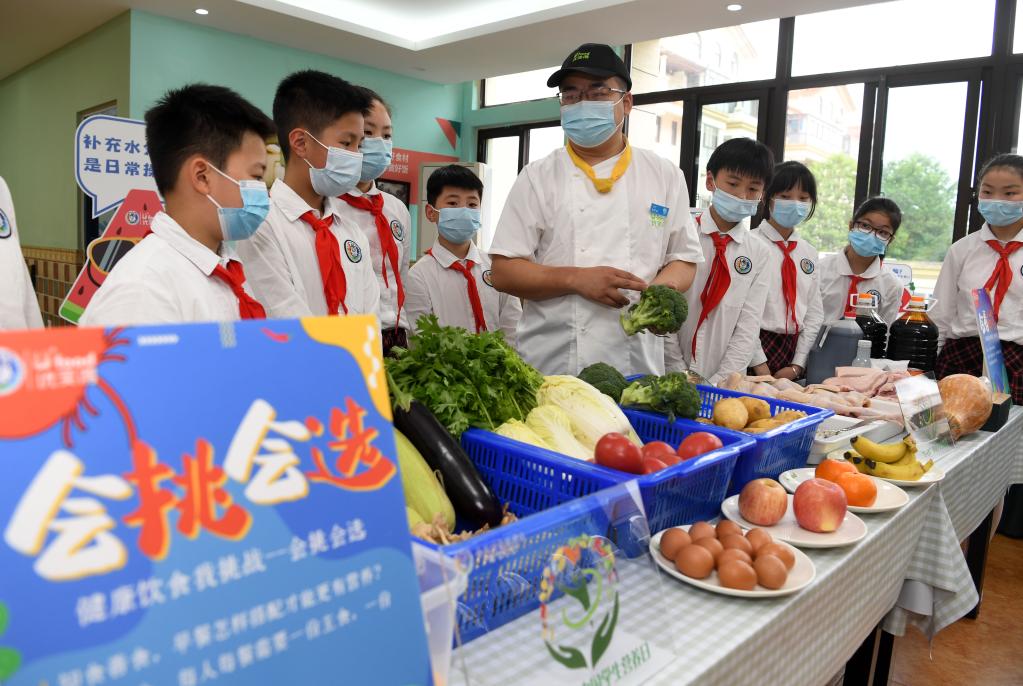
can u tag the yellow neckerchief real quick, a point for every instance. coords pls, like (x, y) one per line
(603, 185)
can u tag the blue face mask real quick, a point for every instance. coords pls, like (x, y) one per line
(376, 157)
(789, 213)
(458, 224)
(239, 223)
(731, 208)
(866, 244)
(590, 122)
(341, 173)
(1000, 212)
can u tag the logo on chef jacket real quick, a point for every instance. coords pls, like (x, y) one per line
(12, 372)
(132, 217)
(353, 251)
(6, 226)
(397, 230)
(487, 279)
(806, 265)
(743, 264)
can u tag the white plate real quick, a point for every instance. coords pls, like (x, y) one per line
(932, 476)
(788, 530)
(889, 496)
(800, 576)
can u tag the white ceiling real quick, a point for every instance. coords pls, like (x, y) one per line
(447, 41)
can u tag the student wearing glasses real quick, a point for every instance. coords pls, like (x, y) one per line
(588, 227)
(858, 267)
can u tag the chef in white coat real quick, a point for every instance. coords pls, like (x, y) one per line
(19, 308)
(588, 227)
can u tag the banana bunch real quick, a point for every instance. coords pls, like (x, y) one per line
(888, 460)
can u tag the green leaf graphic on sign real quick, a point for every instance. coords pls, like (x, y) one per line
(567, 655)
(10, 659)
(581, 593)
(604, 634)
(3, 618)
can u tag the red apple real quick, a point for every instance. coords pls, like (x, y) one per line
(763, 502)
(819, 505)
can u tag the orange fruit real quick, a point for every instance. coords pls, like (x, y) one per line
(860, 489)
(830, 470)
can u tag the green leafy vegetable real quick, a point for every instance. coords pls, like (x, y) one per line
(465, 379)
(660, 310)
(671, 394)
(605, 379)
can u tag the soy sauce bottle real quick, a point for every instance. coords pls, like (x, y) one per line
(874, 328)
(914, 336)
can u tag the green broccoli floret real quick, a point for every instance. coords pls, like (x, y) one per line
(605, 379)
(660, 310)
(671, 394)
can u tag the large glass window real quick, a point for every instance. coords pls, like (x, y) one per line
(922, 156)
(747, 52)
(503, 163)
(544, 141)
(658, 127)
(721, 122)
(901, 32)
(527, 85)
(822, 130)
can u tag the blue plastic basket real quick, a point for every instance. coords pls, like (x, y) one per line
(506, 563)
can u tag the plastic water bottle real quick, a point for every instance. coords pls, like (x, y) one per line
(862, 358)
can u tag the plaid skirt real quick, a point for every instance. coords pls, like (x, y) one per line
(965, 356)
(779, 348)
(394, 337)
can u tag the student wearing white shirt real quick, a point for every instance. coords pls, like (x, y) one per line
(857, 268)
(727, 301)
(307, 260)
(990, 259)
(452, 281)
(19, 308)
(208, 151)
(793, 313)
(588, 220)
(384, 220)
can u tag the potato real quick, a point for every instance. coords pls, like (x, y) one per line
(752, 430)
(704, 420)
(756, 408)
(789, 415)
(731, 414)
(765, 424)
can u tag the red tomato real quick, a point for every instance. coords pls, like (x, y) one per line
(657, 449)
(615, 451)
(697, 444)
(668, 458)
(653, 464)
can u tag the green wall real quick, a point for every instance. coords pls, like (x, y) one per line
(39, 106)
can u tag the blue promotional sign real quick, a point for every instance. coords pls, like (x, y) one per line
(192, 503)
(994, 363)
(112, 158)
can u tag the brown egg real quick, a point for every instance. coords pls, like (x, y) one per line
(771, 572)
(732, 554)
(737, 541)
(737, 574)
(694, 561)
(780, 551)
(711, 544)
(672, 540)
(726, 527)
(701, 530)
(758, 537)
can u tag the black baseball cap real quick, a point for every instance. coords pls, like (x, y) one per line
(596, 59)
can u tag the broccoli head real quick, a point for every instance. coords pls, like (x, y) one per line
(605, 379)
(671, 395)
(660, 310)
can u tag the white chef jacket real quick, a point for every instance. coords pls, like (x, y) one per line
(280, 260)
(730, 335)
(19, 308)
(809, 308)
(434, 288)
(834, 279)
(401, 228)
(555, 216)
(165, 279)
(968, 265)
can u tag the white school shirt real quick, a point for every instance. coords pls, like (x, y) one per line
(728, 338)
(834, 279)
(434, 288)
(165, 279)
(555, 216)
(809, 308)
(400, 223)
(968, 265)
(280, 260)
(19, 308)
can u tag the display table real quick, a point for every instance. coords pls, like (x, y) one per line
(807, 638)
